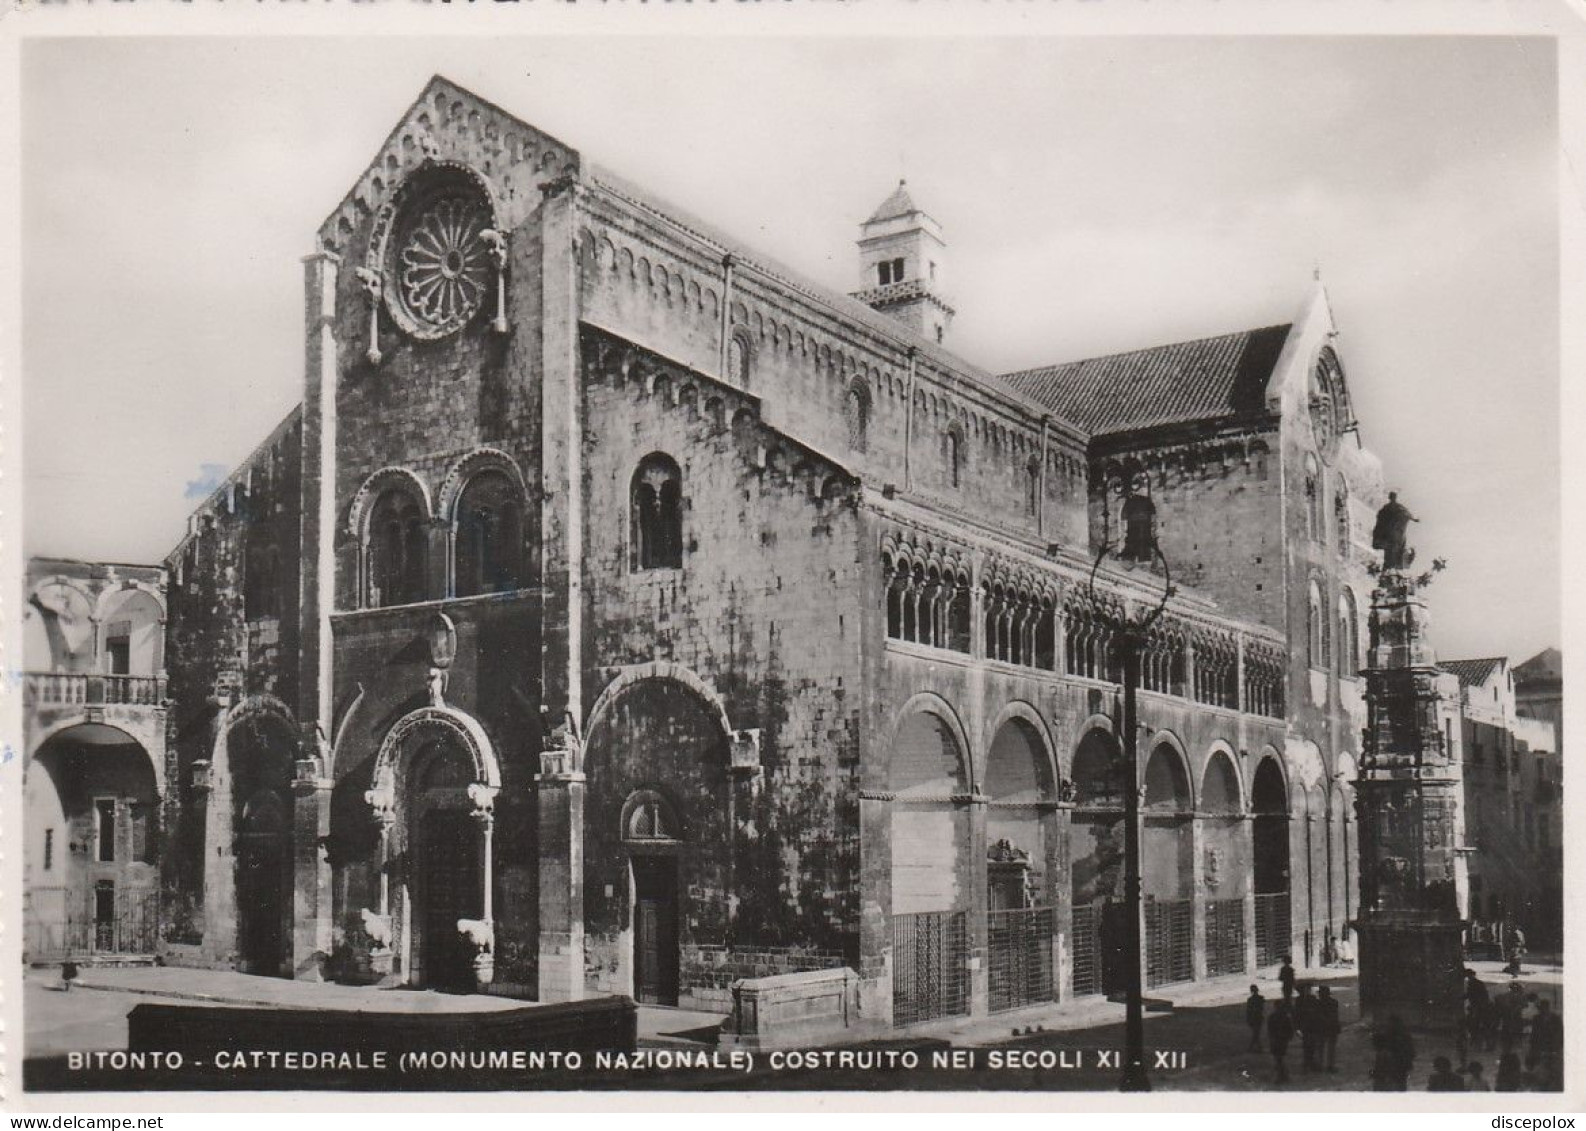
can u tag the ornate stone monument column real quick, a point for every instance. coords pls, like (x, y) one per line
(1408, 798)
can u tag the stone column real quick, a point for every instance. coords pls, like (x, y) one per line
(1061, 886)
(220, 868)
(979, 973)
(311, 919)
(311, 887)
(560, 794)
(875, 914)
(1247, 847)
(1197, 899)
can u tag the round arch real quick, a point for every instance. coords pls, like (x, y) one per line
(1168, 784)
(447, 723)
(1221, 791)
(1023, 714)
(1269, 790)
(634, 674)
(1096, 769)
(376, 485)
(111, 597)
(929, 703)
(475, 463)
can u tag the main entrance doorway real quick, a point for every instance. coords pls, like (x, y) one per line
(655, 929)
(450, 865)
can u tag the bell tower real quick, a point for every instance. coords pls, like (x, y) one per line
(903, 265)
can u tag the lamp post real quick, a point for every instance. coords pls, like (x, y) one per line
(1131, 631)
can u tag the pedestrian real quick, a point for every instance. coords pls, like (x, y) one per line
(1477, 1082)
(1511, 1017)
(1508, 1073)
(68, 974)
(1478, 1004)
(1444, 1078)
(1307, 1019)
(1331, 1026)
(1547, 1037)
(1255, 1016)
(1286, 978)
(1516, 952)
(1280, 1031)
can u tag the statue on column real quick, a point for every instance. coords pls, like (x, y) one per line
(1393, 520)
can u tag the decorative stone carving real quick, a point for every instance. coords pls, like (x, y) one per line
(481, 934)
(483, 799)
(378, 928)
(496, 248)
(382, 800)
(745, 746)
(374, 287)
(202, 776)
(1212, 868)
(435, 687)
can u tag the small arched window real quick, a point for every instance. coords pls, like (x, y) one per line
(858, 414)
(649, 816)
(1313, 499)
(656, 503)
(1348, 640)
(489, 533)
(1316, 629)
(397, 550)
(1341, 519)
(954, 457)
(1139, 528)
(738, 360)
(1032, 488)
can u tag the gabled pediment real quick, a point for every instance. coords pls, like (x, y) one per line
(449, 124)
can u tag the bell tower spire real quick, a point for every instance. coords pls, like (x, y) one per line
(903, 265)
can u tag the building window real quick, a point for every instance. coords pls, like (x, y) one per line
(954, 458)
(738, 359)
(118, 654)
(489, 546)
(649, 816)
(655, 499)
(49, 849)
(890, 271)
(1032, 488)
(138, 832)
(939, 332)
(1341, 519)
(1316, 630)
(397, 552)
(105, 830)
(1348, 645)
(1139, 528)
(1313, 499)
(858, 413)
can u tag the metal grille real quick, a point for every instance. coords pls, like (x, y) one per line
(1225, 936)
(1019, 950)
(929, 968)
(1085, 945)
(1272, 928)
(1169, 946)
(66, 923)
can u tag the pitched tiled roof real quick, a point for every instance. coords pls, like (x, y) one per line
(1472, 672)
(900, 203)
(1210, 379)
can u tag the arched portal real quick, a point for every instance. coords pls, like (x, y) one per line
(1269, 801)
(261, 750)
(931, 881)
(433, 793)
(1224, 865)
(90, 857)
(1166, 868)
(1021, 860)
(1100, 928)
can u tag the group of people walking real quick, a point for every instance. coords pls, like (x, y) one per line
(1524, 1029)
(1313, 1018)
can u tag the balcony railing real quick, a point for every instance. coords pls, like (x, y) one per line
(94, 689)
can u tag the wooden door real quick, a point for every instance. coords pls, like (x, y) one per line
(655, 930)
(451, 891)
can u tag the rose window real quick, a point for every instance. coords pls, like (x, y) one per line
(443, 264)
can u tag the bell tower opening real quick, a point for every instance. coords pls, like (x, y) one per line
(903, 265)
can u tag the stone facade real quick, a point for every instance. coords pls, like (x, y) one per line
(642, 617)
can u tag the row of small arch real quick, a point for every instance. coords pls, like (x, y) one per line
(601, 250)
(1096, 736)
(476, 462)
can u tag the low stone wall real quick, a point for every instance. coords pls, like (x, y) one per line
(708, 973)
(813, 1008)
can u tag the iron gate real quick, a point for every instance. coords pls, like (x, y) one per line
(930, 976)
(1169, 943)
(1019, 952)
(1085, 946)
(1272, 928)
(79, 923)
(1225, 936)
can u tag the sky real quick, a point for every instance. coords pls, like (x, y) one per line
(1097, 195)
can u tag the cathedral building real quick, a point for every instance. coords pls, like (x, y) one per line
(621, 612)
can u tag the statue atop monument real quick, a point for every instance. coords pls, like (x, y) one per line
(1389, 534)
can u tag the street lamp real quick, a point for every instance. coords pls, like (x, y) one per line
(1140, 549)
